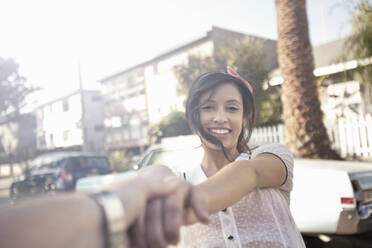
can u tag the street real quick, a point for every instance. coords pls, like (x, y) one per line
(340, 241)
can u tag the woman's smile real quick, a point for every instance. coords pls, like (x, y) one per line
(219, 132)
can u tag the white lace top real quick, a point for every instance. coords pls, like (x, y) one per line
(261, 219)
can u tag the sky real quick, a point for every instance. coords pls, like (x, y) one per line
(50, 38)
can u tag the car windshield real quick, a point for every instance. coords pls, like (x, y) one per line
(46, 161)
(181, 158)
(96, 162)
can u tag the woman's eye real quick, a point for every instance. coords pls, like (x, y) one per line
(207, 107)
(232, 108)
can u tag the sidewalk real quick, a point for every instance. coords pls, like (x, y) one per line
(6, 180)
(5, 183)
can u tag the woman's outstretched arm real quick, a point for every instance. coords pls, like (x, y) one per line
(237, 179)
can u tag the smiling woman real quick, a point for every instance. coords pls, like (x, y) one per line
(246, 191)
(251, 186)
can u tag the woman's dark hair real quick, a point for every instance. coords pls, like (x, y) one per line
(208, 82)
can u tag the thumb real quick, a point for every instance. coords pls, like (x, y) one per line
(161, 187)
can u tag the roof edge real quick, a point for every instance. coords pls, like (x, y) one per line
(158, 57)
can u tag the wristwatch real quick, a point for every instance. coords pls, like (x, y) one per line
(115, 235)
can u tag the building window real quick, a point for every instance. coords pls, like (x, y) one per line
(51, 139)
(125, 134)
(46, 109)
(116, 121)
(91, 146)
(135, 132)
(42, 138)
(98, 128)
(107, 122)
(155, 68)
(2, 150)
(40, 114)
(131, 82)
(108, 138)
(97, 98)
(140, 79)
(65, 106)
(117, 136)
(66, 135)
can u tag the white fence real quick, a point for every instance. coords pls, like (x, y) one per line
(351, 137)
(267, 134)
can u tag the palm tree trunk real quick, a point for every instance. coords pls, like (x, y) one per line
(305, 133)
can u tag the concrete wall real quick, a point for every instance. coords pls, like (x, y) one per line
(94, 121)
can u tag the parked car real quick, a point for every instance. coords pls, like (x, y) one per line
(60, 171)
(328, 197)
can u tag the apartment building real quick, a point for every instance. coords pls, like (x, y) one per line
(140, 96)
(72, 122)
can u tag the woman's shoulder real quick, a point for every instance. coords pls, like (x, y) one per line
(274, 148)
(285, 155)
(278, 150)
(243, 156)
(271, 145)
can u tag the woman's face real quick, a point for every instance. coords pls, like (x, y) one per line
(221, 115)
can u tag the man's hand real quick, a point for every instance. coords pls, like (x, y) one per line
(164, 216)
(137, 191)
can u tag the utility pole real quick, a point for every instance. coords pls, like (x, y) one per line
(83, 121)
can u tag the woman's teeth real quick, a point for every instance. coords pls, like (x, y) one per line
(219, 131)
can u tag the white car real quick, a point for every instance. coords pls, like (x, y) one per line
(328, 197)
(333, 197)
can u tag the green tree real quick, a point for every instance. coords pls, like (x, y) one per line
(174, 124)
(359, 45)
(13, 88)
(121, 160)
(247, 57)
(196, 66)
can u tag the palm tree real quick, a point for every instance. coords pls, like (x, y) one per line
(305, 132)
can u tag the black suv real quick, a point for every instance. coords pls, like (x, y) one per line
(58, 172)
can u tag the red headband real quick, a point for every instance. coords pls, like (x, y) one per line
(233, 73)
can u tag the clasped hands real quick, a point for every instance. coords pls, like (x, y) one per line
(157, 203)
